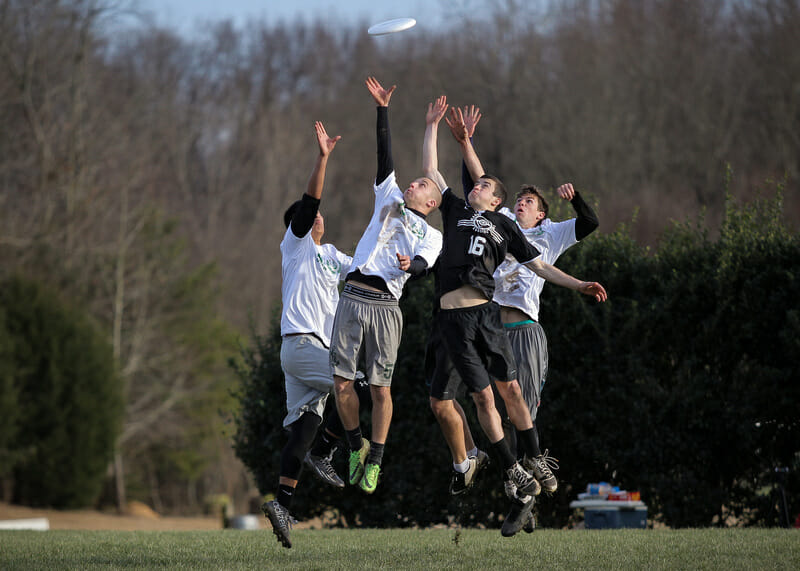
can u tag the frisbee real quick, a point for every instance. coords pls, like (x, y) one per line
(391, 26)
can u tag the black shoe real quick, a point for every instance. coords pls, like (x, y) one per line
(280, 519)
(542, 467)
(525, 482)
(461, 482)
(530, 525)
(518, 516)
(322, 469)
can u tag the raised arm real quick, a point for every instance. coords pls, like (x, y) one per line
(586, 221)
(471, 115)
(556, 276)
(459, 130)
(430, 155)
(382, 97)
(326, 145)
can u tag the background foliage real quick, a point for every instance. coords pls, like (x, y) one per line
(143, 173)
(684, 386)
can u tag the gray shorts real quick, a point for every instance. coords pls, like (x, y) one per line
(374, 320)
(529, 344)
(307, 368)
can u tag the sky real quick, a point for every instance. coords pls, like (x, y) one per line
(185, 15)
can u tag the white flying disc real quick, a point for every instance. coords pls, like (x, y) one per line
(391, 26)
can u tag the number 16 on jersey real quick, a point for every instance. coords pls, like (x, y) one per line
(476, 245)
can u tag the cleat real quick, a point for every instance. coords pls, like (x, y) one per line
(281, 521)
(483, 459)
(461, 482)
(530, 525)
(525, 482)
(357, 459)
(510, 489)
(370, 480)
(542, 468)
(322, 469)
(518, 516)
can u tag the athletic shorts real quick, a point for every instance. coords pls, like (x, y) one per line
(473, 340)
(529, 345)
(307, 368)
(370, 318)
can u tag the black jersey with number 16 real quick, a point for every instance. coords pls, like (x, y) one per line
(475, 243)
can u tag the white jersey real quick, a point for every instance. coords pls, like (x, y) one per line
(394, 229)
(516, 285)
(310, 288)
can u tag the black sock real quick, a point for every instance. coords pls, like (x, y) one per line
(529, 442)
(324, 444)
(354, 438)
(375, 455)
(503, 454)
(285, 495)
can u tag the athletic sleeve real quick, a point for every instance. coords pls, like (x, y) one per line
(587, 221)
(418, 266)
(385, 162)
(303, 218)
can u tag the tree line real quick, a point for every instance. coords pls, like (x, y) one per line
(142, 173)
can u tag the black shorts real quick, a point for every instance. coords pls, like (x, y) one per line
(468, 345)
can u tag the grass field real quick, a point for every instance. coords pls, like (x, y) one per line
(403, 549)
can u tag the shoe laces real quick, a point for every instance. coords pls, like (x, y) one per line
(327, 467)
(546, 463)
(518, 475)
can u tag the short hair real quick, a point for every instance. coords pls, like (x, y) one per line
(289, 214)
(499, 189)
(537, 192)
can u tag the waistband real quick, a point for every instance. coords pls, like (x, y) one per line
(518, 323)
(377, 297)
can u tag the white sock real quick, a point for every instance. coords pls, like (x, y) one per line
(473, 452)
(461, 468)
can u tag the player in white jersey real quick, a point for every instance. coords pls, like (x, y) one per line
(397, 243)
(311, 274)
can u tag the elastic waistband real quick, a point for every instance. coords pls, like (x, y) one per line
(317, 337)
(361, 294)
(467, 309)
(518, 323)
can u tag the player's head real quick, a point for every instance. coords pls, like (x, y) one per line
(530, 207)
(423, 194)
(488, 193)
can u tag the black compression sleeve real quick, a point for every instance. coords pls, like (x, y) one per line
(418, 266)
(385, 162)
(303, 218)
(587, 221)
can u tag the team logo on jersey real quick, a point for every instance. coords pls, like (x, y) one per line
(413, 223)
(328, 265)
(482, 226)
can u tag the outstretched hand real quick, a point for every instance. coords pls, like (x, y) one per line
(594, 289)
(326, 144)
(436, 110)
(566, 191)
(379, 94)
(457, 125)
(471, 117)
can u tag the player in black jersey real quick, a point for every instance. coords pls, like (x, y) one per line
(476, 241)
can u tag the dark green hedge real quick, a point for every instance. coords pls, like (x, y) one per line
(61, 398)
(684, 386)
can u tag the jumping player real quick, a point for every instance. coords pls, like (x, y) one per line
(311, 274)
(397, 243)
(476, 241)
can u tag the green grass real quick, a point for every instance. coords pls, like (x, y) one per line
(404, 549)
